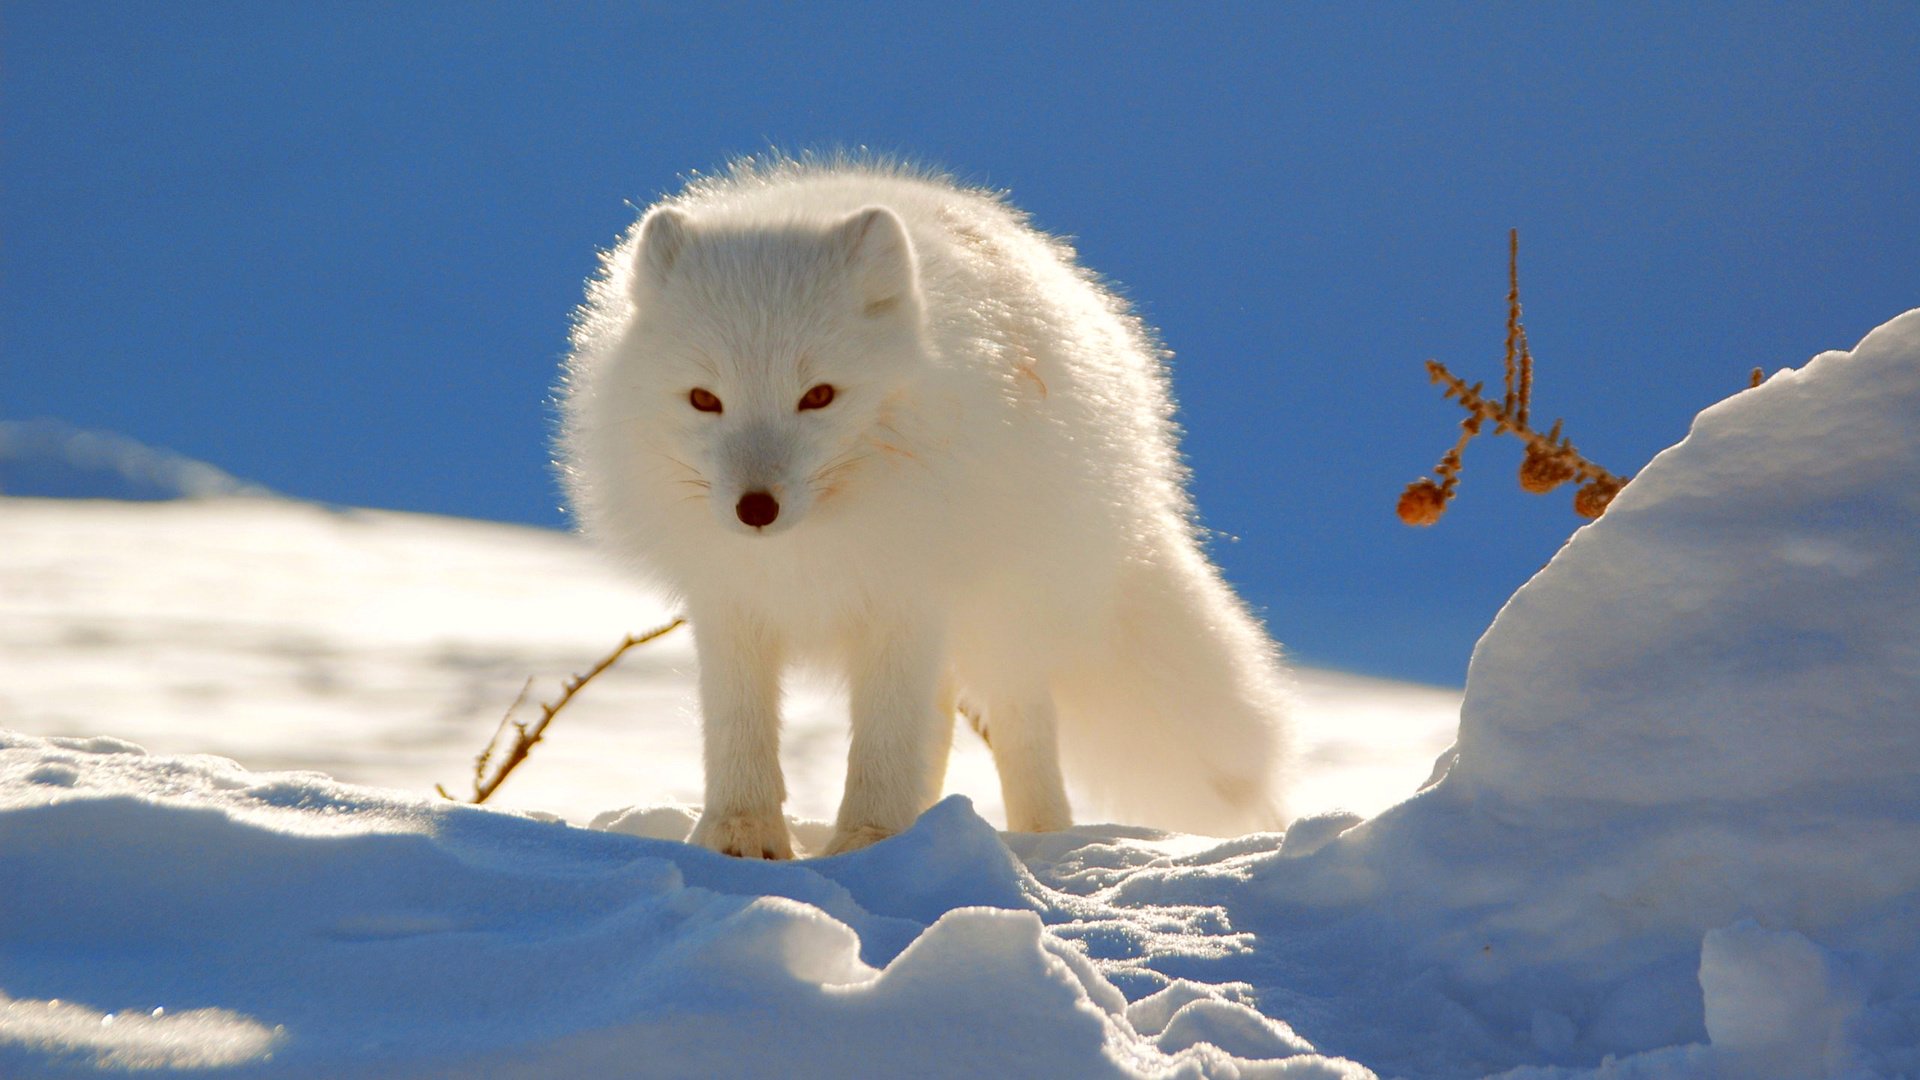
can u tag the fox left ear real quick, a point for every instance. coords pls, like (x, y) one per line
(880, 255)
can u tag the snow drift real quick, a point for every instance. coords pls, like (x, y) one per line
(1680, 838)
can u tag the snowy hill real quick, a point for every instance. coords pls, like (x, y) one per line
(49, 458)
(1680, 836)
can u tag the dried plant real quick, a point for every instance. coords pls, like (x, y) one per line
(526, 734)
(1551, 459)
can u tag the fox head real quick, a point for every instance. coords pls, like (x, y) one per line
(767, 356)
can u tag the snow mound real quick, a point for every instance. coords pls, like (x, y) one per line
(1748, 605)
(1695, 729)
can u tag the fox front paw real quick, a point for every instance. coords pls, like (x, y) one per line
(854, 838)
(748, 836)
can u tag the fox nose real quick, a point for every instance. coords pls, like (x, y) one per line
(757, 508)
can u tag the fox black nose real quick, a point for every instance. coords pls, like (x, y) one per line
(757, 508)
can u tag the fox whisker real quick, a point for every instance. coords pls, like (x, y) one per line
(823, 480)
(693, 475)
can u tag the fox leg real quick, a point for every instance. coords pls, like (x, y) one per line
(740, 723)
(901, 733)
(1022, 733)
(946, 704)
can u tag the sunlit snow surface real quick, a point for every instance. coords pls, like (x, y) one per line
(1681, 838)
(382, 649)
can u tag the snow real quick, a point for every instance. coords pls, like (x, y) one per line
(346, 931)
(1776, 1003)
(1679, 835)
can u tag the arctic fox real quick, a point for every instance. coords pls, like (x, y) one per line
(857, 416)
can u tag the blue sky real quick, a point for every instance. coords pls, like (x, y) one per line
(332, 248)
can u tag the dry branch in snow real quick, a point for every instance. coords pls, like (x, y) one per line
(526, 734)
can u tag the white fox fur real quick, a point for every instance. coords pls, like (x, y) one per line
(989, 514)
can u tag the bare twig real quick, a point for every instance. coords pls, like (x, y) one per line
(1514, 404)
(1551, 459)
(527, 734)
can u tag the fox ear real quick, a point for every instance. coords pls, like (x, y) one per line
(663, 236)
(880, 256)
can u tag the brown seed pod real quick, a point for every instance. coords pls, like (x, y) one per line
(1551, 459)
(1594, 496)
(1422, 503)
(1542, 472)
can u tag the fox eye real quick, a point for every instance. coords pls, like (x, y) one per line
(703, 399)
(817, 398)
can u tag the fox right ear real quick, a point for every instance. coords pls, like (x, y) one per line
(663, 236)
(878, 250)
